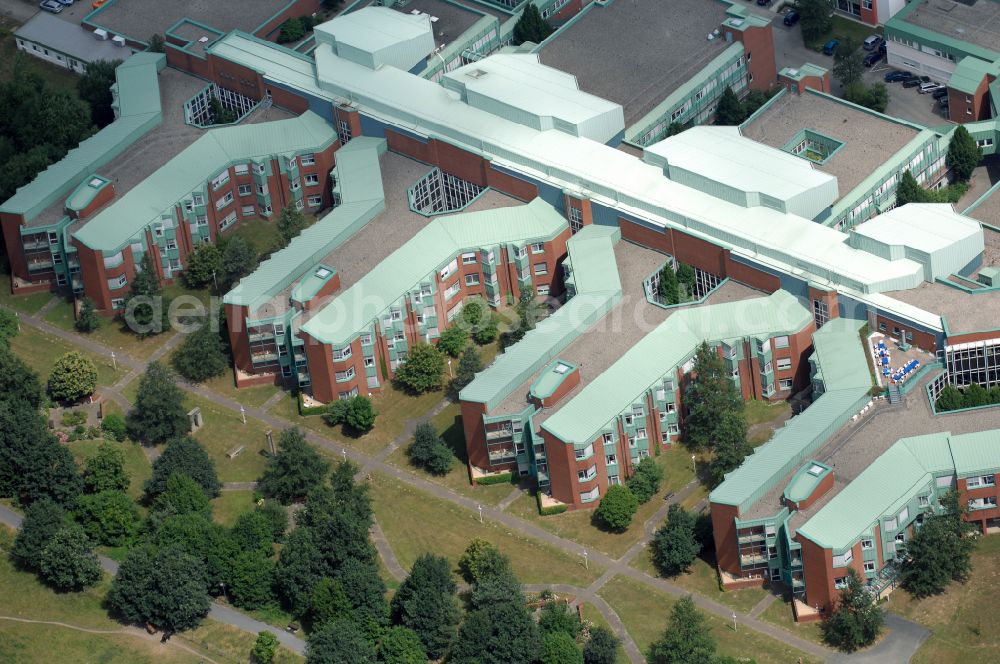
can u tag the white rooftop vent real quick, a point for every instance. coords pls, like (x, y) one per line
(434, 19)
(815, 470)
(323, 273)
(793, 72)
(202, 40)
(561, 368)
(711, 36)
(101, 34)
(118, 40)
(476, 73)
(736, 22)
(96, 182)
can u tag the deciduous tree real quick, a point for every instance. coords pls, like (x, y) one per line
(204, 266)
(201, 355)
(709, 396)
(109, 517)
(730, 109)
(42, 520)
(453, 340)
(558, 617)
(423, 369)
(601, 647)
(857, 619)
(814, 17)
(468, 562)
(964, 154)
(87, 320)
(181, 495)
(159, 412)
(340, 642)
(185, 456)
(848, 62)
(560, 648)
(401, 646)
(238, 260)
(618, 506)
(32, 464)
(67, 562)
(668, 291)
(329, 602)
(73, 377)
(731, 445)
(249, 578)
(939, 551)
(290, 223)
(94, 87)
(470, 364)
(105, 471)
(295, 470)
(264, 648)
(687, 639)
(360, 413)
(645, 480)
(145, 309)
(674, 545)
(18, 382)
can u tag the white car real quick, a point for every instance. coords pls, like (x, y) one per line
(929, 86)
(51, 6)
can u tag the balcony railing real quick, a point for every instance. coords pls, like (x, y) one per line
(263, 357)
(496, 434)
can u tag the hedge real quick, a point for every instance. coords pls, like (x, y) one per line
(548, 511)
(310, 410)
(501, 478)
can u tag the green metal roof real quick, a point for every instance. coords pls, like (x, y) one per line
(359, 183)
(805, 480)
(591, 256)
(85, 192)
(311, 284)
(976, 453)
(138, 104)
(434, 246)
(663, 349)
(842, 362)
(969, 74)
(551, 378)
(194, 166)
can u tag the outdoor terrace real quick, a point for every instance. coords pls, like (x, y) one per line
(628, 322)
(868, 139)
(637, 52)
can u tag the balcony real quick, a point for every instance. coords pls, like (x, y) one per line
(35, 244)
(753, 537)
(497, 434)
(40, 265)
(753, 559)
(260, 336)
(264, 357)
(499, 456)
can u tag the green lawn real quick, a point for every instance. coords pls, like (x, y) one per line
(578, 525)
(703, 580)
(592, 616)
(248, 396)
(40, 351)
(230, 504)
(21, 643)
(136, 463)
(842, 28)
(261, 234)
(780, 614)
(224, 643)
(761, 412)
(449, 424)
(961, 619)
(644, 611)
(416, 522)
(25, 304)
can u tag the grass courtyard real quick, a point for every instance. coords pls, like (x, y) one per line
(645, 611)
(40, 350)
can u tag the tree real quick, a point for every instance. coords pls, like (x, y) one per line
(441, 460)
(470, 364)
(201, 355)
(848, 62)
(113, 426)
(42, 520)
(975, 395)
(88, 320)
(668, 290)
(730, 110)
(329, 602)
(33, 464)
(185, 456)
(145, 311)
(220, 114)
(687, 639)
(401, 646)
(422, 370)
(963, 154)
(645, 480)
(290, 223)
(339, 642)
(292, 30)
(560, 648)
(557, 617)
(159, 412)
(497, 633)
(814, 17)
(857, 619)
(94, 87)
(181, 495)
(264, 648)
(877, 97)
(617, 508)
(204, 266)
(238, 260)
(9, 327)
(531, 27)
(300, 567)
(526, 313)
(18, 382)
(710, 394)
(67, 562)
(276, 517)
(109, 517)
(364, 587)
(909, 190)
(296, 469)
(429, 451)
(940, 551)
(731, 445)
(602, 647)
(252, 531)
(468, 562)
(360, 413)
(195, 534)
(674, 545)
(105, 471)
(156, 44)
(485, 332)
(453, 340)
(249, 579)
(164, 588)
(425, 603)
(949, 399)
(73, 377)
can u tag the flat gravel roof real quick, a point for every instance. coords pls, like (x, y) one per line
(976, 22)
(637, 52)
(141, 19)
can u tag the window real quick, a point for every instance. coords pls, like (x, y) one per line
(767, 368)
(369, 362)
(890, 525)
(588, 474)
(197, 199)
(220, 179)
(866, 4)
(541, 268)
(609, 438)
(227, 221)
(904, 515)
(366, 340)
(538, 248)
(585, 453)
(575, 219)
(292, 163)
(341, 376)
(840, 582)
(262, 189)
(900, 537)
(472, 280)
(315, 201)
(881, 327)
(843, 559)
(117, 282)
(399, 336)
(640, 433)
(342, 353)
(785, 383)
(784, 363)
(923, 501)
(224, 201)
(395, 314)
(469, 258)
(869, 565)
(590, 496)
(117, 303)
(294, 184)
(307, 159)
(542, 290)
(452, 291)
(299, 204)
(867, 544)
(241, 169)
(248, 210)
(983, 503)
(245, 190)
(781, 342)
(201, 220)
(61, 279)
(259, 169)
(171, 245)
(611, 459)
(614, 480)
(983, 480)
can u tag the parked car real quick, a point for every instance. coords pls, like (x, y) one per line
(911, 82)
(941, 93)
(871, 43)
(791, 18)
(881, 48)
(65, 3)
(50, 6)
(830, 47)
(763, 3)
(897, 75)
(872, 58)
(929, 87)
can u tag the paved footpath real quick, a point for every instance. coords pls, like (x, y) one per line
(612, 566)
